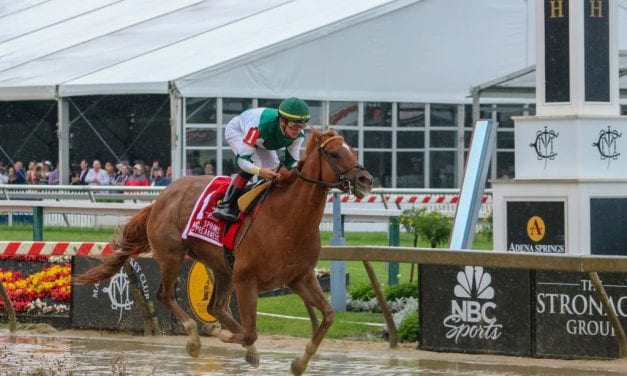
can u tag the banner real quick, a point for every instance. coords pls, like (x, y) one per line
(475, 309)
(110, 304)
(570, 320)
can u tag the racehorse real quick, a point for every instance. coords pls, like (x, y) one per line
(280, 247)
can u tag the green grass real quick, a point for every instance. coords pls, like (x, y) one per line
(347, 325)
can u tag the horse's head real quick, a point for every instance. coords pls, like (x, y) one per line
(338, 164)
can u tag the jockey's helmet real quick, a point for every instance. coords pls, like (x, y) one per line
(294, 109)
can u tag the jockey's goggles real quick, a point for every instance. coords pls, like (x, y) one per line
(296, 124)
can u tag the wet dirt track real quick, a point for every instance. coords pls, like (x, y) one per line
(96, 353)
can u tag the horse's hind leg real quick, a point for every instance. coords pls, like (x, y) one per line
(309, 290)
(170, 268)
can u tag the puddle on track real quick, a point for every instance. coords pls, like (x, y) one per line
(35, 354)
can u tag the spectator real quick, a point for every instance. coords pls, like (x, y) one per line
(96, 175)
(44, 173)
(159, 180)
(53, 177)
(13, 178)
(3, 175)
(111, 173)
(208, 169)
(123, 175)
(34, 172)
(20, 173)
(79, 179)
(138, 178)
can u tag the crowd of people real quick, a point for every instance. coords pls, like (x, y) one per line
(122, 173)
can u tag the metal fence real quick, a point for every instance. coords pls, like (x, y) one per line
(378, 204)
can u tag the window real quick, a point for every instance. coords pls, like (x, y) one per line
(504, 113)
(196, 160)
(410, 139)
(343, 113)
(315, 110)
(231, 107)
(443, 115)
(410, 170)
(411, 115)
(443, 167)
(201, 110)
(379, 164)
(377, 114)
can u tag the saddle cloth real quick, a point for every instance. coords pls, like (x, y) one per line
(202, 224)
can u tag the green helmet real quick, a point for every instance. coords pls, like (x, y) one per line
(294, 109)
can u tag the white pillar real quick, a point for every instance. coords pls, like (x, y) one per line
(63, 133)
(176, 132)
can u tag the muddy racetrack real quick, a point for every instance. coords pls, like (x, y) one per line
(42, 350)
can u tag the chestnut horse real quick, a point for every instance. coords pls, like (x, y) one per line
(281, 247)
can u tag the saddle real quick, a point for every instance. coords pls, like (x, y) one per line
(253, 193)
(203, 225)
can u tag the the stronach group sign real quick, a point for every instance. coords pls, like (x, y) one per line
(570, 320)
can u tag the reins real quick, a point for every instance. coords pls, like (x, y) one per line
(342, 183)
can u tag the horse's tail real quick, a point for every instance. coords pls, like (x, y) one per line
(132, 241)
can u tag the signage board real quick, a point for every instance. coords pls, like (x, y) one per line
(569, 319)
(536, 226)
(110, 304)
(475, 309)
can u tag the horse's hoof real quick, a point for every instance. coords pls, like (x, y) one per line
(193, 349)
(212, 329)
(297, 368)
(252, 357)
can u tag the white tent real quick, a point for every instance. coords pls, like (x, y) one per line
(360, 49)
(411, 50)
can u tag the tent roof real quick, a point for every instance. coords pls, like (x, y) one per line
(397, 50)
(138, 46)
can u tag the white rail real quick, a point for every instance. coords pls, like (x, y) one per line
(82, 206)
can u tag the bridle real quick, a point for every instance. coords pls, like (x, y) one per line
(343, 183)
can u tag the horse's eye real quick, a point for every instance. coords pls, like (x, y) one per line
(334, 155)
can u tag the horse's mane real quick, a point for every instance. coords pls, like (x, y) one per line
(317, 137)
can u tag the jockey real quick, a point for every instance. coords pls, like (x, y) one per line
(254, 136)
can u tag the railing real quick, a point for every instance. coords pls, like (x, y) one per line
(387, 198)
(376, 205)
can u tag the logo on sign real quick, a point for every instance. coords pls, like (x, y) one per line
(536, 228)
(199, 290)
(544, 145)
(473, 313)
(118, 289)
(606, 145)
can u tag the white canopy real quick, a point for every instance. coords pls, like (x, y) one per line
(404, 50)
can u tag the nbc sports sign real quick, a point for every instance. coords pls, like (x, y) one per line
(474, 309)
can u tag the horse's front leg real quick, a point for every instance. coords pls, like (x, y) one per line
(246, 292)
(308, 288)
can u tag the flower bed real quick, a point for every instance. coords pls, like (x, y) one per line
(37, 284)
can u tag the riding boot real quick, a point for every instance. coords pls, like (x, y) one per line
(227, 209)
